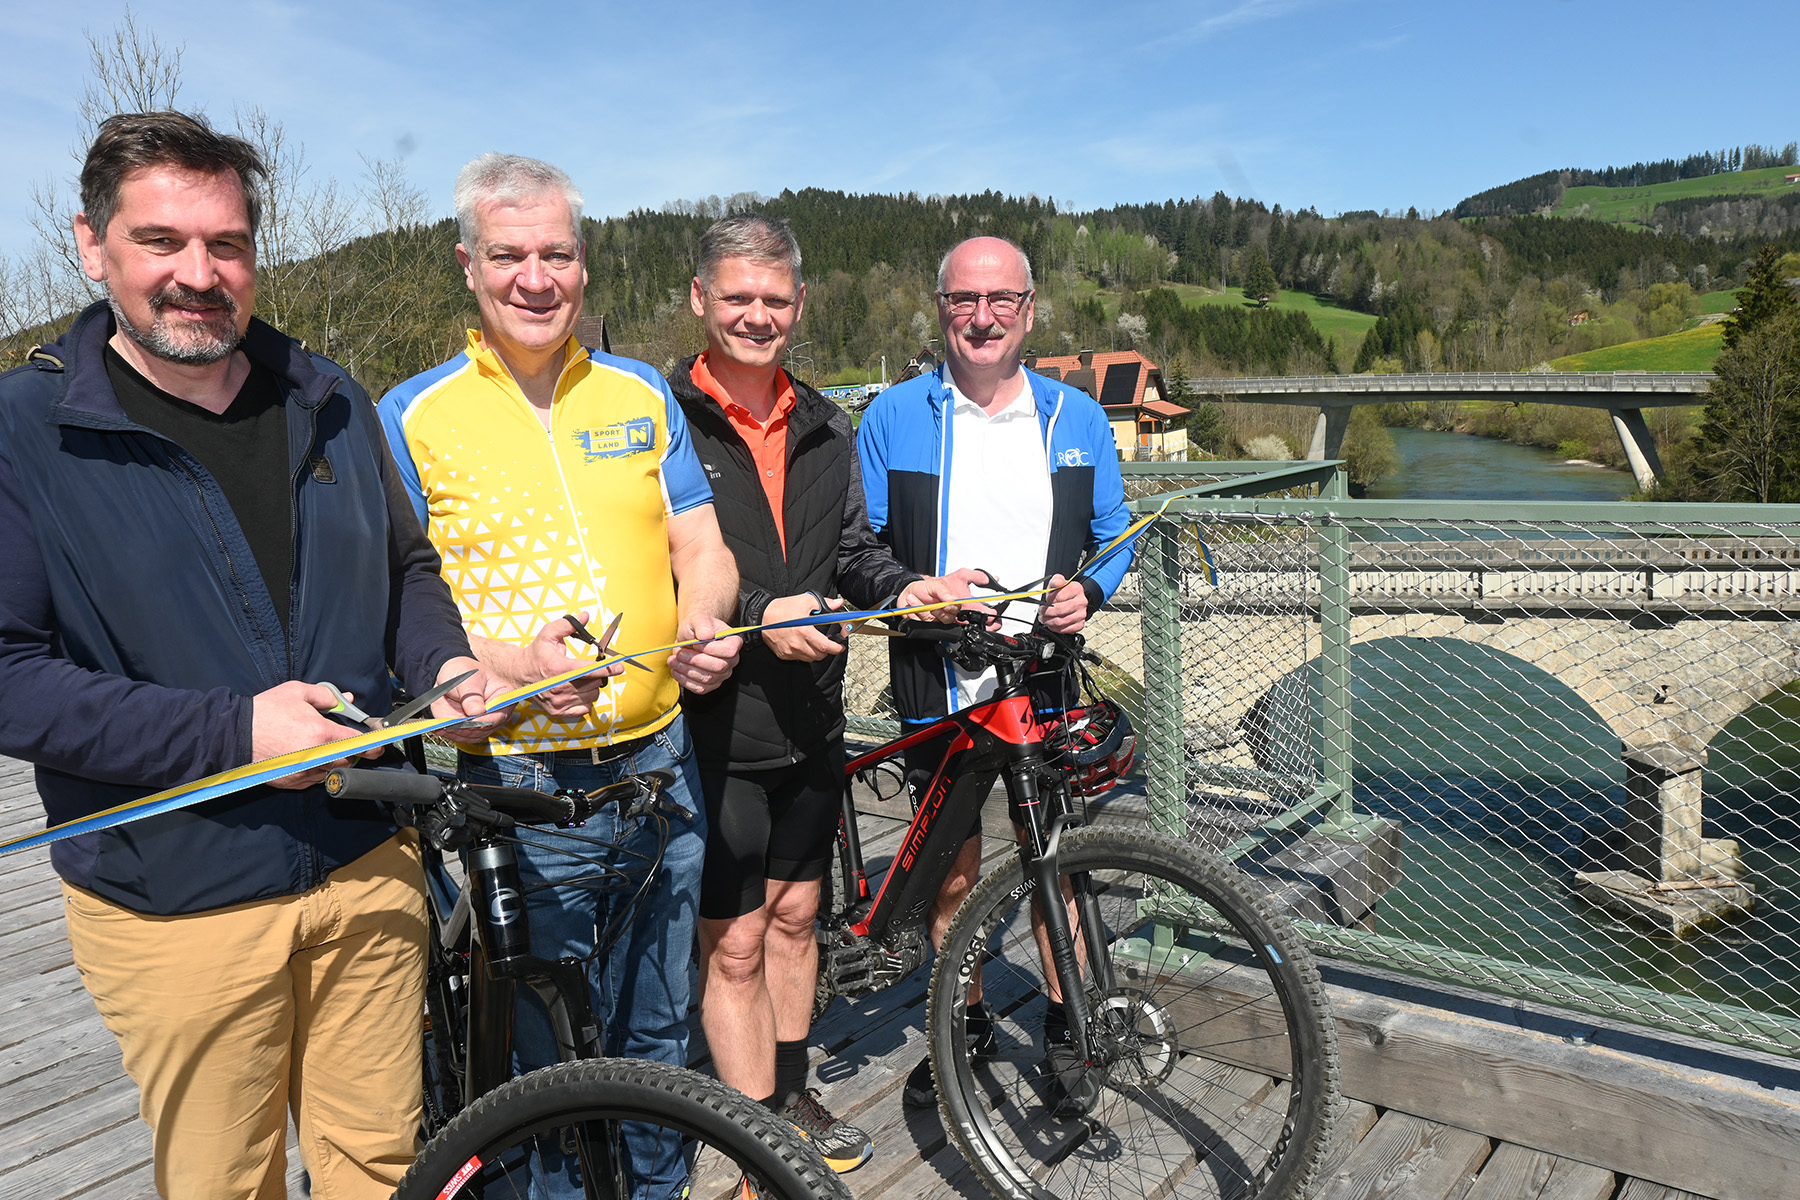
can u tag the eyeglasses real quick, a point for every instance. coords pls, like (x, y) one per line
(1001, 304)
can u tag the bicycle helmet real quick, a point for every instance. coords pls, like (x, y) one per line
(1097, 745)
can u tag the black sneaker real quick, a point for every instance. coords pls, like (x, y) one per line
(1074, 1085)
(842, 1145)
(921, 1087)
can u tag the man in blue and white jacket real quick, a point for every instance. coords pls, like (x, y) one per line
(983, 464)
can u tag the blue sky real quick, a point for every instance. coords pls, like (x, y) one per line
(1339, 104)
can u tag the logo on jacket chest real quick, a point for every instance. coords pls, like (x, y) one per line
(636, 436)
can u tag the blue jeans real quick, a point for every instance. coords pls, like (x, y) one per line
(639, 990)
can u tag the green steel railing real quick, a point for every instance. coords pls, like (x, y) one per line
(1335, 524)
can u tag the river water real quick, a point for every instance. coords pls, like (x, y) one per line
(1507, 782)
(1455, 466)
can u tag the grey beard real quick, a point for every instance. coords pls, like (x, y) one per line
(202, 350)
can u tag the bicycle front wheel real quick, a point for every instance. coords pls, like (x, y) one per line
(1212, 1066)
(620, 1129)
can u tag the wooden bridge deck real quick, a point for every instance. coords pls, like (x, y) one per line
(69, 1126)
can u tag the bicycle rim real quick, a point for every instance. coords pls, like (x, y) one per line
(618, 1129)
(1214, 1066)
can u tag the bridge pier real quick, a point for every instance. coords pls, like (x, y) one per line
(1639, 446)
(1678, 881)
(1328, 433)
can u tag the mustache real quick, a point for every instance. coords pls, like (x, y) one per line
(992, 330)
(185, 296)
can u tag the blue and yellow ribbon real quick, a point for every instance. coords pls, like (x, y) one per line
(294, 762)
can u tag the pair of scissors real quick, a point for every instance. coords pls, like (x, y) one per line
(406, 712)
(604, 641)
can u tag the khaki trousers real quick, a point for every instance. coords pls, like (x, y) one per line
(227, 1018)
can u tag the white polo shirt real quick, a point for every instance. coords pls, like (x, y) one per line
(999, 506)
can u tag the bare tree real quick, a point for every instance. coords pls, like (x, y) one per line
(130, 70)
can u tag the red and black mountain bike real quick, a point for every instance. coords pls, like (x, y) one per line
(1189, 1045)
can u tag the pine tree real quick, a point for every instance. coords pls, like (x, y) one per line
(1765, 295)
(1260, 284)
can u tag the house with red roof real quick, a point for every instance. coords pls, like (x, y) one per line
(1130, 388)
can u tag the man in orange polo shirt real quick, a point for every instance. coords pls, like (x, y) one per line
(781, 460)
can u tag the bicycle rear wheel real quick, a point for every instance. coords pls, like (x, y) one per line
(1214, 1065)
(586, 1112)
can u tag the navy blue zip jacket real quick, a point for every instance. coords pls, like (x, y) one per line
(135, 626)
(905, 444)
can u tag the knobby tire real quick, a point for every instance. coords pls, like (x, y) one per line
(727, 1134)
(1218, 1061)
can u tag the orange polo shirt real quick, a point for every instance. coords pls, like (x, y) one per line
(768, 443)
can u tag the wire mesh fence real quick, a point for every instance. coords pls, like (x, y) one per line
(1114, 631)
(1554, 754)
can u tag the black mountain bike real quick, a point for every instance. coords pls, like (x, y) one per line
(1192, 1049)
(485, 1129)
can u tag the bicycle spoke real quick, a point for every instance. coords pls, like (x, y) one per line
(1188, 1091)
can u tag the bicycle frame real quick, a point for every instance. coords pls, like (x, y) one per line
(479, 957)
(873, 939)
(482, 1043)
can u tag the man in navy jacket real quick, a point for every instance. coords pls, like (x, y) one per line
(984, 464)
(197, 518)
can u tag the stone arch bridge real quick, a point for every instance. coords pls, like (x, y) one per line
(1666, 639)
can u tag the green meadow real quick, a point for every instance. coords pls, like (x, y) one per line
(1634, 205)
(1342, 325)
(1689, 350)
(1716, 302)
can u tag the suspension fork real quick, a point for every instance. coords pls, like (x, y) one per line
(1041, 857)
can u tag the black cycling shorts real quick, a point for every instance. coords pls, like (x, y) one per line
(774, 824)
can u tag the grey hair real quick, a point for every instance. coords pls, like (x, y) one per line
(944, 262)
(748, 235)
(510, 179)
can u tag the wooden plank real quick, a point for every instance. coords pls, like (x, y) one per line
(134, 1182)
(903, 1137)
(53, 1084)
(117, 1147)
(30, 911)
(1405, 1157)
(868, 1091)
(104, 1106)
(1631, 1115)
(1641, 1189)
(1515, 1173)
(941, 1176)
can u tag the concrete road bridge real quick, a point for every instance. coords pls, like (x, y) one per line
(1624, 394)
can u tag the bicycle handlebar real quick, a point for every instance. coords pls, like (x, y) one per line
(932, 631)
(638, 795)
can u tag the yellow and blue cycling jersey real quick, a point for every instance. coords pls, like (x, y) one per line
(535, 523)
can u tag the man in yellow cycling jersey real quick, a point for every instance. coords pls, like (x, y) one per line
(556, 479)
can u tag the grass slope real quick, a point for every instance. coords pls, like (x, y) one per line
(1343, 325)
(1716, 302)
(1689, 350)
(1634, 205)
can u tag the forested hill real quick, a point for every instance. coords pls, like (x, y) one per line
(1493, 294)
(1542, 192)
(1168, 278)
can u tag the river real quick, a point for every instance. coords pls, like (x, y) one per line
(1506, 781)
(1456, 466)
